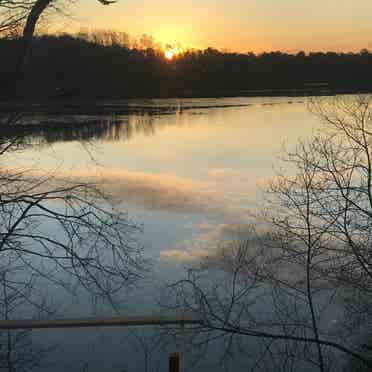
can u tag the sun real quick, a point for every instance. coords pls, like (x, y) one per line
(170, 51)
(169, 54)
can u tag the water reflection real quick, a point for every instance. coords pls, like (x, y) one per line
(110, 121)
(189, 175)
(45, 130)
(176, 171)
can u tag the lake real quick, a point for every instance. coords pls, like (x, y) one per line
(190, 171)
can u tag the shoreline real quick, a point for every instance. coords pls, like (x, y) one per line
(125, 105)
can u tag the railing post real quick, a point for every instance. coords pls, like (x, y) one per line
(174, 362)
(183, 347)
(177, 359)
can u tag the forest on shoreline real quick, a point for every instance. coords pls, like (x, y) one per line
(106, 65)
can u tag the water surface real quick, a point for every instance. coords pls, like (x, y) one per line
(192, 172)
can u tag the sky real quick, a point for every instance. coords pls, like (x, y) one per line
(236, 25)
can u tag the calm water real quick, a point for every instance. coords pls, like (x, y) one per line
(190, 171)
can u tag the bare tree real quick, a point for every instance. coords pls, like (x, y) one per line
(66, 233)
(56, 233)
(302, 287)
(12, 14)
(18, 351)
(20, 18)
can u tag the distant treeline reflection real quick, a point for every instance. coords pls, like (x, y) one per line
(39, 130)
(108, 66)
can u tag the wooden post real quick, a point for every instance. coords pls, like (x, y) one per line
(183, 348)
(174, 362)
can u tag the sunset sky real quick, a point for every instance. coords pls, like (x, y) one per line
(238, 25)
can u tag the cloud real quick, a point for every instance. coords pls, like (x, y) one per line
(207, 242)
(219, 196)
(182, 255)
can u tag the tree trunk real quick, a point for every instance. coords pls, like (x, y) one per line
(25, 44)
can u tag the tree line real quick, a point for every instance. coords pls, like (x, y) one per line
(113, 65)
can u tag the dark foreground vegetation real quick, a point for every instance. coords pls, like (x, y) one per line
(82, 66)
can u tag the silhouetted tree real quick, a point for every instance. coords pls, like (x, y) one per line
(301, 285)
(18, 351)
(111, 64)
(65, 232)
(24, 15)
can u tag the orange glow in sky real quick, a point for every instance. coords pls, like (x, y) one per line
(236, 25)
